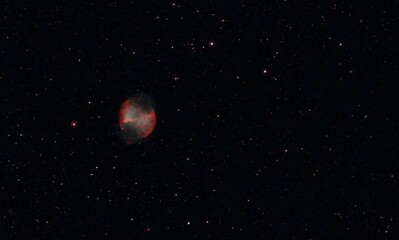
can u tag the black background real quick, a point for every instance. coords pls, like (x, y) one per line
(276, 119)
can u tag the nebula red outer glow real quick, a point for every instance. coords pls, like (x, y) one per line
(136, 121)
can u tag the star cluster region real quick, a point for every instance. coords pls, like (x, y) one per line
(275, 119)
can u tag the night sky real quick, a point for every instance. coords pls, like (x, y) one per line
(274, 120)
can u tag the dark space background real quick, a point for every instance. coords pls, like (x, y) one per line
(276, 119)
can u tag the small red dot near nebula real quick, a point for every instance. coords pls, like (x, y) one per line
(74, 124)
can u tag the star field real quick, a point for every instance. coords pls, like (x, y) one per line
(275, 120)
